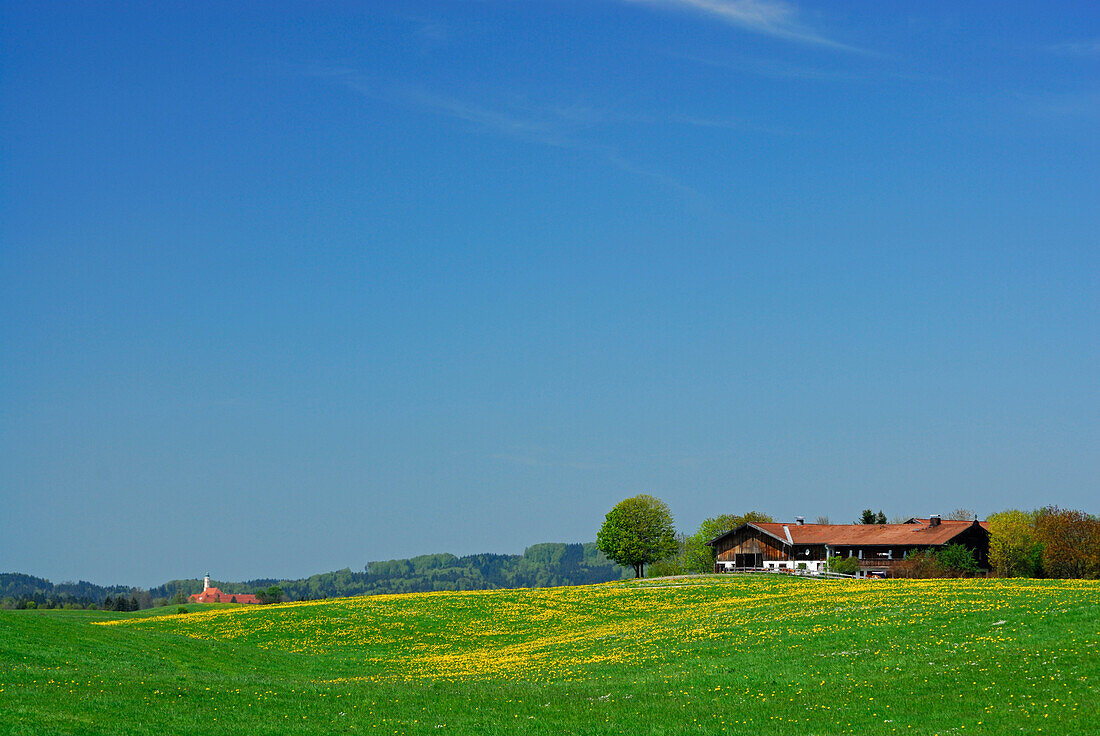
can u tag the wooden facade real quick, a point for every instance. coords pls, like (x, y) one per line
(976, 539)
(750, 547)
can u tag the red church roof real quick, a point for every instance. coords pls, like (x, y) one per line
(213, 595)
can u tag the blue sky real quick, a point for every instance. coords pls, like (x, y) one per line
(287, 288)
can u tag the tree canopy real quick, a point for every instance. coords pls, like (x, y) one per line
(698, 557)
(271, 594)
(1014, 548)
(1070, 541)
(1049, 542)
(870, 517)
(637, 532)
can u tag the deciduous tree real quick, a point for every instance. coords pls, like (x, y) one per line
(272, 594)
(1071, 542)
(637, 532)
(698, 556)
(1014, 547)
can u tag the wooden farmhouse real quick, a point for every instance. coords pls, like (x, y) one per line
(878, 547)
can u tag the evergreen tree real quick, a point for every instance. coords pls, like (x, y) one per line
(870, 517)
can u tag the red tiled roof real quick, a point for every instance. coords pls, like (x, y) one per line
(982, 524)
(865, 534)
(213, 595)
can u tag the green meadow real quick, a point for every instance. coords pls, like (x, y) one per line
(756, 655)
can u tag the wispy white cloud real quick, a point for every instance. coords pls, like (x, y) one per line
(428, 28)
(556, 126)
(773, 68)
(1088, 47)
(1083, 103)
(546, 126)
(770, 68)
(775, 18)
(574, 127)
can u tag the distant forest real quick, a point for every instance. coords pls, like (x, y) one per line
(542, 565)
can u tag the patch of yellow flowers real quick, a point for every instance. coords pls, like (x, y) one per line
(562, 634)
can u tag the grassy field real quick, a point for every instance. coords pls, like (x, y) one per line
(754, 655)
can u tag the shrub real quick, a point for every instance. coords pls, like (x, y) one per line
(954, 560)
(181, 609)
(921, 564)
(671, 566)
(957, 559)
(843, 565)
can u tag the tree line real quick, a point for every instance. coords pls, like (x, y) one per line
(541, 565)
(1050, 542)
(27, 591)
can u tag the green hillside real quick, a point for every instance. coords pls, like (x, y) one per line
(741, 655)
(540, 566)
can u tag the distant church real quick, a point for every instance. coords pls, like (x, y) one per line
(210, 594)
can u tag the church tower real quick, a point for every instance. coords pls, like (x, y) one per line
(206, 582)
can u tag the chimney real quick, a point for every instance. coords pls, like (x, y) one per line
(799, 520)
(934, 520)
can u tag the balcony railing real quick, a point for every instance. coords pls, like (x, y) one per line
(785, 571)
